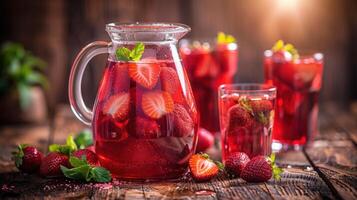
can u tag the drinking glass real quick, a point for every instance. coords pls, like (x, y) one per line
(298, 82)
(209, 65)
(246, 113)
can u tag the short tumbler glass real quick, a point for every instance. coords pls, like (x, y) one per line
(246, 113)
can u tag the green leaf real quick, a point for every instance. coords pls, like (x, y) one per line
(77, 173)
(18, 154)
(262, 118)
(245, 103)
(84, 139)
(124, 54)
(276, 170)
(71, 144)
(100, 174)
(219, 165)
(137, 52)
(54, 148)
(76, 162)
(279, 45)
(222, 38)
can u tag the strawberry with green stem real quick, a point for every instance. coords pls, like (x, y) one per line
(203, 168)
(261, 169)
(27, 158)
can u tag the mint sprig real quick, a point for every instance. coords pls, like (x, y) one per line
(19, 154)
(67, 148)
(222, 38)
(276, 170)
(244, 102)
(280, 45)
(82, 171)
(84, 139)
(125, 54)
(262, 118)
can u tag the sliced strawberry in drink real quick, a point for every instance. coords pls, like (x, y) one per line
(156, 104)
(144, 128)
(120, 77)
(169, 80)
(146, 74)
(117, 106)
(183, 124)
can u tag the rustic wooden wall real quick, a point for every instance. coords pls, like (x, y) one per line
(57, 30)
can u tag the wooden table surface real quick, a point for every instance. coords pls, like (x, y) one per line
(326, 170)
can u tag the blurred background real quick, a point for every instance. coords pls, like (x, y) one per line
(55, 31)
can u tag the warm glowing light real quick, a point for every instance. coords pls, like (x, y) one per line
(287, 4)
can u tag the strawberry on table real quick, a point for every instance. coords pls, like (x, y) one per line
(90, 156)
(51, 164)
(202, 168)
(236, 162)
(117, 106)
(146, 74)
(27, 158)
(156, 104)
(261, 169)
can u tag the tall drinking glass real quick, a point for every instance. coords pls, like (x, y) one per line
(246, 113)
(298, 82)
(209, 65)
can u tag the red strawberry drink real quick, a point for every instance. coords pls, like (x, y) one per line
(298, 81)
(208, 67)
(246, 117)
(144, 119)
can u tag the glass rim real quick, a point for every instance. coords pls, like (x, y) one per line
(233, 87)
(212, 44)
(147, 27)
(304, 54)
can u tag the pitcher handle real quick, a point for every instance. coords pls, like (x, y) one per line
(78, 106)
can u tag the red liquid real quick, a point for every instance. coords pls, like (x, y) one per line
(246, 131)
(298, 83)
(135, 145)
(207, 69)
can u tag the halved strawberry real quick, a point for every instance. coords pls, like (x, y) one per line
(117, 106)
(169, 80)
(156, 104)
(146, 74)
(202, 168)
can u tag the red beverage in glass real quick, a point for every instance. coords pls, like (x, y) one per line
(144, 118)
(298, 82)
(246, 118)
(143, 145)
(208, 67)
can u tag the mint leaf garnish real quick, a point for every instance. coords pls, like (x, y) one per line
(100, 174)
(244, 102)
(82, 171)
(222, 38)
(67, 148)
(125, 54)
(279, 45)
(262, 118)
(84, 139)
(276, 170)
(137, 52)
(18, 155)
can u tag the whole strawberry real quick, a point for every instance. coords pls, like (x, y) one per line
(51, 164)
(91, 157)
(236, 162)
(27, 158)
(261, 169)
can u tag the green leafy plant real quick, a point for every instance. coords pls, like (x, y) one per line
(84, 139)
(19, 70)
(125, 54)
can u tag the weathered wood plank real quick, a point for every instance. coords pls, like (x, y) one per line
(333, 154)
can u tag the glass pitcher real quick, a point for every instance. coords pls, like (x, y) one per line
(144, 119)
